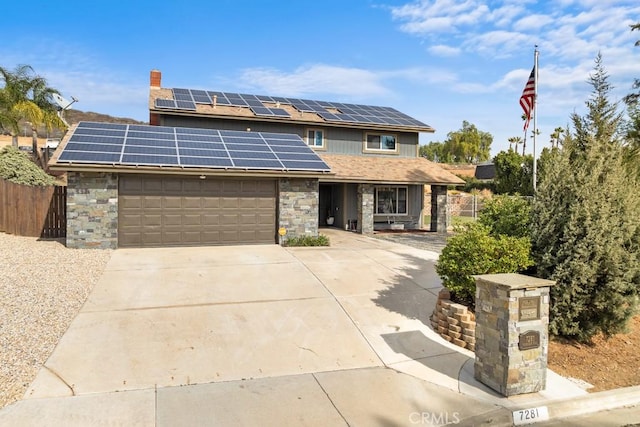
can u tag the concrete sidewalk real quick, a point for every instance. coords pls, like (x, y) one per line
(265, 335)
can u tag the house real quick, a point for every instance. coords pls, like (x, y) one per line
(228, 168)
(485, 171)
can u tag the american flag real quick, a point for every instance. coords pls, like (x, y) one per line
(527, 97)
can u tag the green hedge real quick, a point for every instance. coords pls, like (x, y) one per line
(320, 240)
(17, 167)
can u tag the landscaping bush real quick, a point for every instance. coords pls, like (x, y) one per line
(15, 166)
(319, 240)
(507, 215)
(474, 250)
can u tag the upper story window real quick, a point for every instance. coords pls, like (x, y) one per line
(381, 142)
(315, 138)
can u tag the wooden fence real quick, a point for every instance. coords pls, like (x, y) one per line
(33, 210)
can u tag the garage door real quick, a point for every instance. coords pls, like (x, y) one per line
(171, 211)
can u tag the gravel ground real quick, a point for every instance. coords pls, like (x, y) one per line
(42, 287)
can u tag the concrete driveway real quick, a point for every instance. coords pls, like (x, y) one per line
(178, 316)
(256, 335)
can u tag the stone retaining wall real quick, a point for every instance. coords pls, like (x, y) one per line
(454, 322)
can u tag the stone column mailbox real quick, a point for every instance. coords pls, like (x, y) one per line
(512, 334)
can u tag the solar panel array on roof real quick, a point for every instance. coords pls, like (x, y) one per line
(143, 145)
(263, 106)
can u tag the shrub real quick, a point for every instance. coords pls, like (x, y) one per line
(15, 166)
(319, 240)
(507, 215)
(473, 250)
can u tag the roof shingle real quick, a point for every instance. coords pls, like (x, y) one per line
(378, 169)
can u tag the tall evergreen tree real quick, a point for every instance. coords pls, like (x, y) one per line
(603, 120)
(586, 224)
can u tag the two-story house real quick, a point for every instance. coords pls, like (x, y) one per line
(228, 168)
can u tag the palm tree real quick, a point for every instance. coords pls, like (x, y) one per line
(534, 133)
(514, 140)
(26, 97)
(524, 142)
(555, 137)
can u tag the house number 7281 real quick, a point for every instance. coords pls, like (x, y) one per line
(530, 415)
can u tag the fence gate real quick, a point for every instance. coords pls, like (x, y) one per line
(32, 210)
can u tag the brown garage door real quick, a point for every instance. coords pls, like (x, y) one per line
(173, 211)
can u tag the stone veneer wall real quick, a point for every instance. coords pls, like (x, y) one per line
(92, 210)
(500, 363)
(365, 208)
(454, 322)
(298, 206)
(439, 208)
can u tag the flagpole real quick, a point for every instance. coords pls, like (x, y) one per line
(535, 116)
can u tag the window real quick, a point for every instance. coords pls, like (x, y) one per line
(381, 142)
(315, 138)
(391, 201)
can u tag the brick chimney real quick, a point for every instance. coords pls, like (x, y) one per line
(156, 78)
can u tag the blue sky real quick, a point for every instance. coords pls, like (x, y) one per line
(440, 61)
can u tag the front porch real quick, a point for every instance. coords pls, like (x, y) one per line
(365, 207)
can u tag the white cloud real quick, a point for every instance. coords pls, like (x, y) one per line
(317, 78)
(533, 22)
(426, 16)
(444, 50)
(499, 44)
(568, 30)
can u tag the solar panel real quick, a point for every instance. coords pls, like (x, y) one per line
(105, 148)
(101, 132)
(297, 156)
(261, 111)
(175, 105)
(185, 105)
(100, 125)
(97, 139)
(156, 129)
(288, 149)
(156, 135)
(252, 155)
(243, 140)
(300, 165)
(351, 113)
(266, 98)
(148, 160)
(196, 152)
(247, 147)
(150, 142)
(206, 162)
(269, 112)
(89, 157)
(195, 131)
(183, 97)
(142, 145)
(201, 144)
(257, 164)
(186, 99)
(279, 112)
(137, 149)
